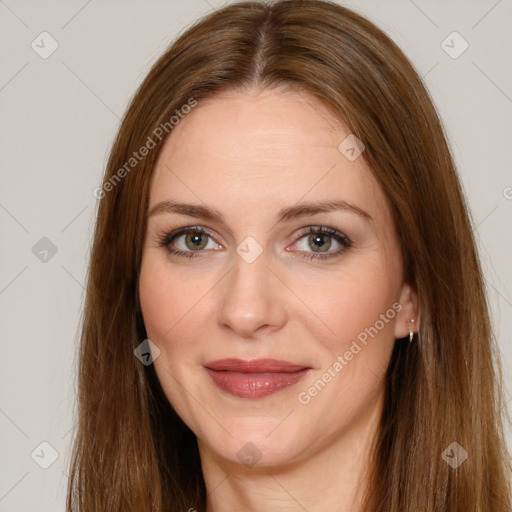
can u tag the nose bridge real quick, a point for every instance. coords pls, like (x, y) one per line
(251, 298)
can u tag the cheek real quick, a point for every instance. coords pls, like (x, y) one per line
(359, 307)
(355, 303)
(155, 295)
(341, 303)
(174, 307)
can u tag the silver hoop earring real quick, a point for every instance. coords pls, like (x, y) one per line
(411, 332)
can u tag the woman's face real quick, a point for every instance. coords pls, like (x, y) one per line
(266, 271)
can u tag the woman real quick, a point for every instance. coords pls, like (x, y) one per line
(285, 309)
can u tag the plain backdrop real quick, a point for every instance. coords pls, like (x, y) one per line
(58, 118)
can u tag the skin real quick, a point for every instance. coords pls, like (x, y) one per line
(248, 154)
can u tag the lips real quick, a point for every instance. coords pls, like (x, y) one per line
(256, 378)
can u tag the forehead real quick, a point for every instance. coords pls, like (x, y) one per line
(260, 151)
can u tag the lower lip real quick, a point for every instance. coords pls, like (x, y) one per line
(254, 385)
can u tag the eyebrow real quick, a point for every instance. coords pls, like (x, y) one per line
(285, 214)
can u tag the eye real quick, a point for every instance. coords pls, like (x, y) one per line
(188, 242)
(191, 241)
(321, 239)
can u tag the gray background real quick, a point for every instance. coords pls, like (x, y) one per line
(58, 118)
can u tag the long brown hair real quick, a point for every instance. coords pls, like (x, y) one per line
(131, 451)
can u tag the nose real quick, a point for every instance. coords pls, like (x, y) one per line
(253, 298)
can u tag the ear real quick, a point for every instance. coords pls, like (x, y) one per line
(409, 302)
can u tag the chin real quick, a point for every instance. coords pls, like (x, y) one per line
(258, 442)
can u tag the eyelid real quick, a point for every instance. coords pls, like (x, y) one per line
(172, 235)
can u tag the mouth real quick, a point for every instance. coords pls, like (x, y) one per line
(256, 378)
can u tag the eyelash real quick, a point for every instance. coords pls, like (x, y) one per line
(165, 240)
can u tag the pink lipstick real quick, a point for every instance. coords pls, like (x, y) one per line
(256, 378)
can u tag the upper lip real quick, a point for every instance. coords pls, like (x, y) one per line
(255, 366)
